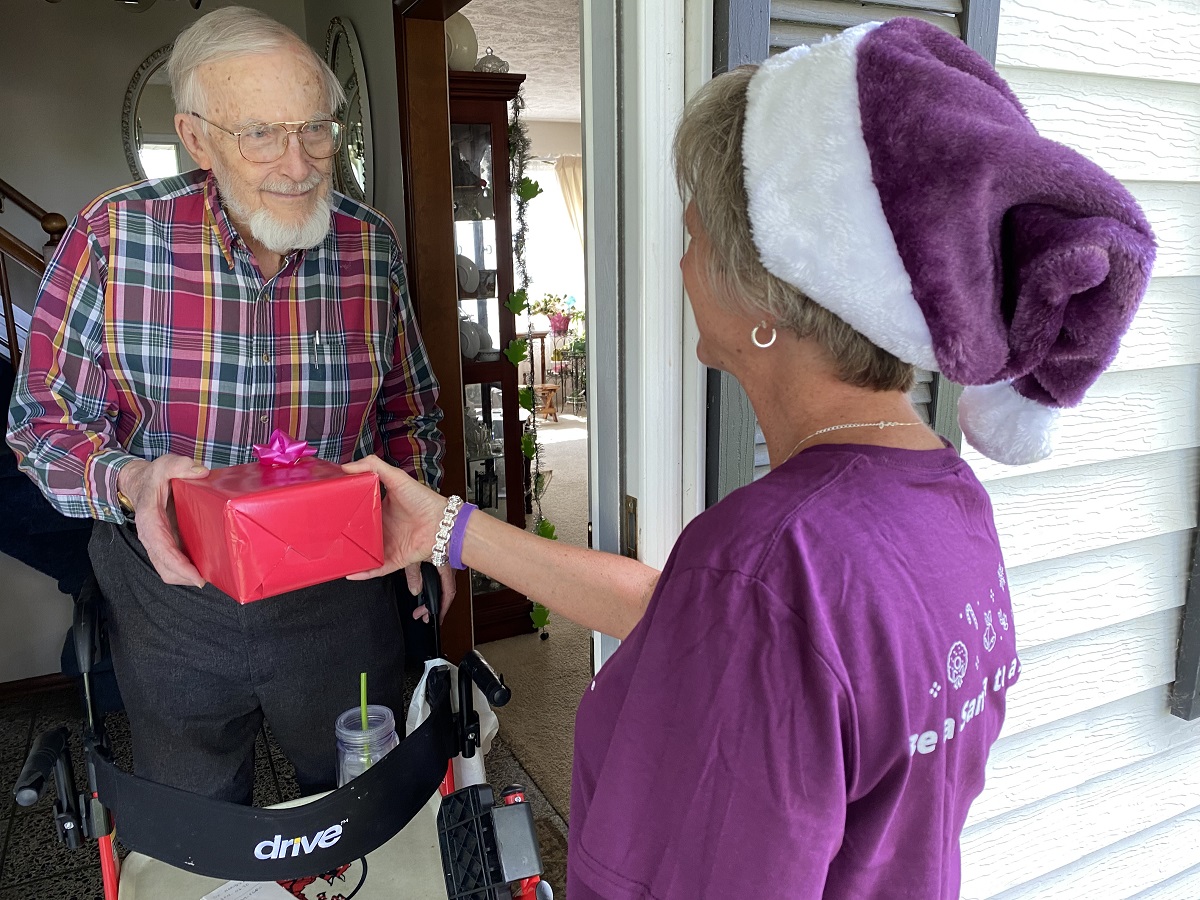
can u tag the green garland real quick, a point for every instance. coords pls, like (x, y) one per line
(524, 190)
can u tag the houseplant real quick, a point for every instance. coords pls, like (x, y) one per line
(557, 308)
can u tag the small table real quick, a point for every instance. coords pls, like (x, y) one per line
(544, 400)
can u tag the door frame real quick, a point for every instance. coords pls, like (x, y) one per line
(646, 410)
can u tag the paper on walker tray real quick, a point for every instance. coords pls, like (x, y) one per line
(249, 890)
(466, 771)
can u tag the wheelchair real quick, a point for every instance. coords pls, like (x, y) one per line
(400, 830)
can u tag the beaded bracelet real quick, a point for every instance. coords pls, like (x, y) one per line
(457, 534)
(442, 538)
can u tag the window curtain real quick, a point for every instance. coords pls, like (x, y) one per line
(569, 170)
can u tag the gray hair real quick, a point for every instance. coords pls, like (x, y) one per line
(709, 170)
(232, 32)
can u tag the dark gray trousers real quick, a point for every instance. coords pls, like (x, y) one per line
(199, 672)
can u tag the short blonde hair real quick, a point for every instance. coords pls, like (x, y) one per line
(229, 33)
(710, 171)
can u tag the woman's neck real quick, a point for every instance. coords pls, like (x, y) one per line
(799, 398)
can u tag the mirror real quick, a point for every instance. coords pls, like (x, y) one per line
(152, 147)
(352, 173)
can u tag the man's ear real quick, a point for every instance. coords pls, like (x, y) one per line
(188, 128)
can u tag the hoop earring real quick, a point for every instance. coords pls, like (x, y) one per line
(762, 345)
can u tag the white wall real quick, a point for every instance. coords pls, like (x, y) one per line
(64, 69)
(658, 53)
(549, 138)
(36, 617)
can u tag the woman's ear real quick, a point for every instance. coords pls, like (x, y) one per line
(188, 128)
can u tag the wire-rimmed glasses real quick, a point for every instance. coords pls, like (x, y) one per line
(264, 142)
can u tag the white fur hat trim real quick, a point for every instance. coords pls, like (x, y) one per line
(1005, 426)
(820, 226)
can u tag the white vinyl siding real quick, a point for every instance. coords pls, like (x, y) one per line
(1185, 886)
(1094, 788)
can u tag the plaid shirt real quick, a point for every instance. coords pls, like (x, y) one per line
(155, 333)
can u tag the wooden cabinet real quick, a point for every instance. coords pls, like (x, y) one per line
(423, 86)
(496, 469)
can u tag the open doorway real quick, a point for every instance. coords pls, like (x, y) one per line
(557, 324)
(549, 671)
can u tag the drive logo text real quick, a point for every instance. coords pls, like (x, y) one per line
(278, 847)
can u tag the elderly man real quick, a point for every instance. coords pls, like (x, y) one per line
(180, 322)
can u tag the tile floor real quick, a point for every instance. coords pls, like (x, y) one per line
(34, 866)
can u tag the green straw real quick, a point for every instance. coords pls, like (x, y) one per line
(363, 703)
(362, 690)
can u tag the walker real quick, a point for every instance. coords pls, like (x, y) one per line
(400, 831)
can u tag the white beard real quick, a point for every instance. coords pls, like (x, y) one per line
(283, 237)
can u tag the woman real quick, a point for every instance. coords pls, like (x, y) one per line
(805, 697)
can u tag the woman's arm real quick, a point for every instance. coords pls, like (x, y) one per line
(601, 591)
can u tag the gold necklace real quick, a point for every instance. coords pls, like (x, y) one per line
(850, 425)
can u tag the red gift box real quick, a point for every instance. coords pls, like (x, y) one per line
(258, 530)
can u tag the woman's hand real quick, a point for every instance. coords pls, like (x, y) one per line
(411, 516)
(603, 591)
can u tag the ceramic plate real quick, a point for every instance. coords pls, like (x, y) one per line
(462, 47)
(468, 338)
(468, 274)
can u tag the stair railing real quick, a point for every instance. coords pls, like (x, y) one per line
(12, 247)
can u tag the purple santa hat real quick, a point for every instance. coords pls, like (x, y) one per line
(895, 180)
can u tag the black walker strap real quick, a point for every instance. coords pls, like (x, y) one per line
(244, 843)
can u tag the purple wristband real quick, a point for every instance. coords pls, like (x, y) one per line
(456, 535)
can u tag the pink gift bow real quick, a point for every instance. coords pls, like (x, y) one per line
(281, 450)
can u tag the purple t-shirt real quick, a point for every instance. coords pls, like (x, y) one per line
(806, 708)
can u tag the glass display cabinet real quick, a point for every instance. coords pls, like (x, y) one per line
(497, 471)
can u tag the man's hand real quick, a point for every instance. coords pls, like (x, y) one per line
(148, 487)
(411, 516)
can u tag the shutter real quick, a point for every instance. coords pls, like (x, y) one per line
(922, 396)
(762, 462)
(795, 22)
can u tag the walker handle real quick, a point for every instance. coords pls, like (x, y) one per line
(486, 678)
(42, 759)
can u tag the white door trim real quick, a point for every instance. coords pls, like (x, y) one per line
(599, 83)
(639, 62)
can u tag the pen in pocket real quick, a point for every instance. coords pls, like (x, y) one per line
(316, 348)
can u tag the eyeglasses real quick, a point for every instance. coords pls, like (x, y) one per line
(265, 142)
